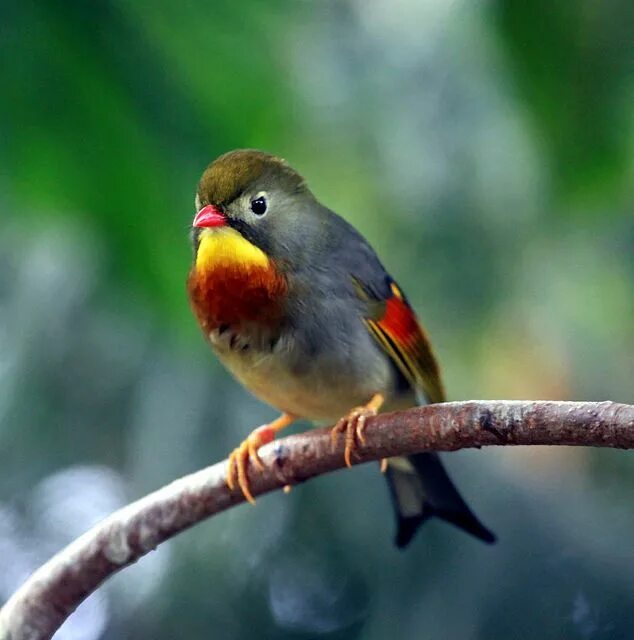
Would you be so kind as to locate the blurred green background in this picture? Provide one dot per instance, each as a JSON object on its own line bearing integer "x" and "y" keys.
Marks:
{"x": 486, "y": 149}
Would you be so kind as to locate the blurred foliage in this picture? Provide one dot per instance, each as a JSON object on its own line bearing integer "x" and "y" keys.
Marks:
{"x": 487, "y": 152}
{"x": 571, "y": 61}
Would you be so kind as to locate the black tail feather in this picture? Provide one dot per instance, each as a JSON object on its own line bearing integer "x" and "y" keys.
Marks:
{"x": 406, "y": 529}
{"x": 421, "y": 489}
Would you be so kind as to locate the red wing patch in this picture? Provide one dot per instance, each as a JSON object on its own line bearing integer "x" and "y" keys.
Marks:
{"x": 400, "y": 334}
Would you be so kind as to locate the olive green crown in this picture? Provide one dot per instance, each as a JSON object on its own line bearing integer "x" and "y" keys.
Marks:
{"x": 227, "y": 177}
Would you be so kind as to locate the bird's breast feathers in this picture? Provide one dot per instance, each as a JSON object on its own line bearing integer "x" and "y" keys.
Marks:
{"x": 233, "y": 282}
{"x": 240, "y": 299}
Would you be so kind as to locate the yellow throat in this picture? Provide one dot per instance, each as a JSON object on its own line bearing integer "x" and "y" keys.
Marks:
{"x": 223, "y": 247}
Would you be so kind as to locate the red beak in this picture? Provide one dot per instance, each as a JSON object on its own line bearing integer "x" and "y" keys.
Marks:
{"x": 209, "y": 216}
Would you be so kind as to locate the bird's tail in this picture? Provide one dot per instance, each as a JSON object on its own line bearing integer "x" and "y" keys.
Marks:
{"x": 421, "y": 489}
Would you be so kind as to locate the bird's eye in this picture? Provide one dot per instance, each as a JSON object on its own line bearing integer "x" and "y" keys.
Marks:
{"x": 258, "y": 205}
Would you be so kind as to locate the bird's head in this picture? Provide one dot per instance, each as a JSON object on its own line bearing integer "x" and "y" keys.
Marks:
{"x": 251, "y": 208}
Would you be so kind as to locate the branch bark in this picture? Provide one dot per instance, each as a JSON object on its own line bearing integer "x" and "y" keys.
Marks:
{"x": 55, "y": 590}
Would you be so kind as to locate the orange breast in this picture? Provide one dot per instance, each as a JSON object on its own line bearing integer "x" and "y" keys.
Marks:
{"x": 235, "y": 295}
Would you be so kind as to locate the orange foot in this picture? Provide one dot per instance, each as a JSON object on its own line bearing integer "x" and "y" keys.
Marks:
{"x": 239, "y": 458}
{"x": 353, "y": 425}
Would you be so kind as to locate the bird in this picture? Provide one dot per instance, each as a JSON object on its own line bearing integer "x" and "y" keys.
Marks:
{"x": 296, "y": 304}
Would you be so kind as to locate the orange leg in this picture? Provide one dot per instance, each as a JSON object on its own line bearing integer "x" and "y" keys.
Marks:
{"x": 353, "y": 426}
{"x": 248, "y": 450}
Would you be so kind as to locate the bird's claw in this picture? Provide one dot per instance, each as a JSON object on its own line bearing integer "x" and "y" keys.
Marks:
{"x": 353, "y": 426}
{"x": 239, "y": 460}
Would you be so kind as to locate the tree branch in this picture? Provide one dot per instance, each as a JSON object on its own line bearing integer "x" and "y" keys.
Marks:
{"x": 55, "y": 590}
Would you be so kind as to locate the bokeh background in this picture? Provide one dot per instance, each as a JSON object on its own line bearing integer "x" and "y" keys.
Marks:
{"x": 486, "y": 149}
